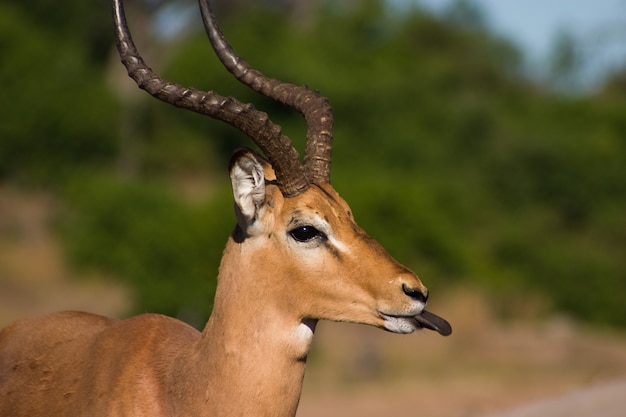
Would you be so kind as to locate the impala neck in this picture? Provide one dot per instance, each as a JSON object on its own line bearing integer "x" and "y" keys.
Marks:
{"x": 253, "y": 354}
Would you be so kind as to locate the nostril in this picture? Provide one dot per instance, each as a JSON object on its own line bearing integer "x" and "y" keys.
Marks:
{"x": 416, "y": 293}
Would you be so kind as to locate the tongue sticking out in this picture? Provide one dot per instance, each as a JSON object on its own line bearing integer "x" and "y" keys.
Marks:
{"x": 431, "y": 321}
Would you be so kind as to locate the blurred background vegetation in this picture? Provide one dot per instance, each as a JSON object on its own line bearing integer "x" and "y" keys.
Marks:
{"x": 463, "y": 168}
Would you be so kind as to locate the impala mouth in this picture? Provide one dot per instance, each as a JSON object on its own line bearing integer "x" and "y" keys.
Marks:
{"x": 425, "y": 320}
{"x": 432, "y": 321}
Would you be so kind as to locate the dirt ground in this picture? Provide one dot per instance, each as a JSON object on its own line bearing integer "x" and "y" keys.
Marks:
{"x": 486, "y": 366}
{"x": 34, "y": 279}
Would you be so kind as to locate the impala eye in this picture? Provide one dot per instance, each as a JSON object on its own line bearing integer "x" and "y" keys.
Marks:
{"x": 305, "y": 233}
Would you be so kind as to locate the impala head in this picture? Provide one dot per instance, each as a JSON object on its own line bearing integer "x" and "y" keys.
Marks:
{"x": 293, "y": 229}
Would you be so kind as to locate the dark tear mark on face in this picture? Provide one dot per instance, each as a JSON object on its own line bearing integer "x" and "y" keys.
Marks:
{"x": 333, "y": 251}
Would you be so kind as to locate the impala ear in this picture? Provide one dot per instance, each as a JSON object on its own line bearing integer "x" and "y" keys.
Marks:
{"x": 248, "y": 181}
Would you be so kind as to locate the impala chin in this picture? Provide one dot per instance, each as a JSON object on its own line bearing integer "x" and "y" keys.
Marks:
{"x": 399, "y": 324}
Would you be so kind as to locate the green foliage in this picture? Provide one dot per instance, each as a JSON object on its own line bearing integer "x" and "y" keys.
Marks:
{"x": 461, "y": 168}
{"x": 56, "y": 110}
{"x": 166, "y": 249}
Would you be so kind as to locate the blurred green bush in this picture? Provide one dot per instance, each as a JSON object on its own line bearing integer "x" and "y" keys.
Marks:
{"x": 462, "y": 168}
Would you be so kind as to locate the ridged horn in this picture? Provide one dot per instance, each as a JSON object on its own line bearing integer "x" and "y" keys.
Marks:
{"x": 315, "y": 108}
{"x": 291, "y": 175}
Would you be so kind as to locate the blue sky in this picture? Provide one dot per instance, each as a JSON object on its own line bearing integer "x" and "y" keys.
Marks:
{"x": 598, "y": 25}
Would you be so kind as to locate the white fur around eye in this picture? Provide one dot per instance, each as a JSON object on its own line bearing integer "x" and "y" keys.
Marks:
{"x": 340, "y": 246}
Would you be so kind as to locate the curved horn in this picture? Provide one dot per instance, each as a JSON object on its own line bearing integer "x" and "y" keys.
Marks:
{"x": 278, "y": 149}
{"x": 311, "y": 104}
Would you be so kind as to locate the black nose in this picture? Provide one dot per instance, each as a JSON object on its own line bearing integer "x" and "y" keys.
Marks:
{"x": 415, "y": 293}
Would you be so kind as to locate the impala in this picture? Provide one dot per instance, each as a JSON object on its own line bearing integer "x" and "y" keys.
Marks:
{"x": 296, "y": 256}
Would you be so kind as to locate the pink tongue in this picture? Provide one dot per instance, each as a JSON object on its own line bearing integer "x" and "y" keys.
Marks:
{"x": 432, "y": 321}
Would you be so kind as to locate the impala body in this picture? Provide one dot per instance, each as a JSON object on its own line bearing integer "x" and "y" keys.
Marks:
{"x": 296, "y": 256}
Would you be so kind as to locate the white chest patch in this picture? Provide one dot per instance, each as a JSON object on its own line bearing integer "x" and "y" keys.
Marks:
{"x": 303, "y": 333}
{"x": 301, "y": 339}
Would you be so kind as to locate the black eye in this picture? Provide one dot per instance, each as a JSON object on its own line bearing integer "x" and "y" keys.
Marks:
{"x": 305, "y": 233}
